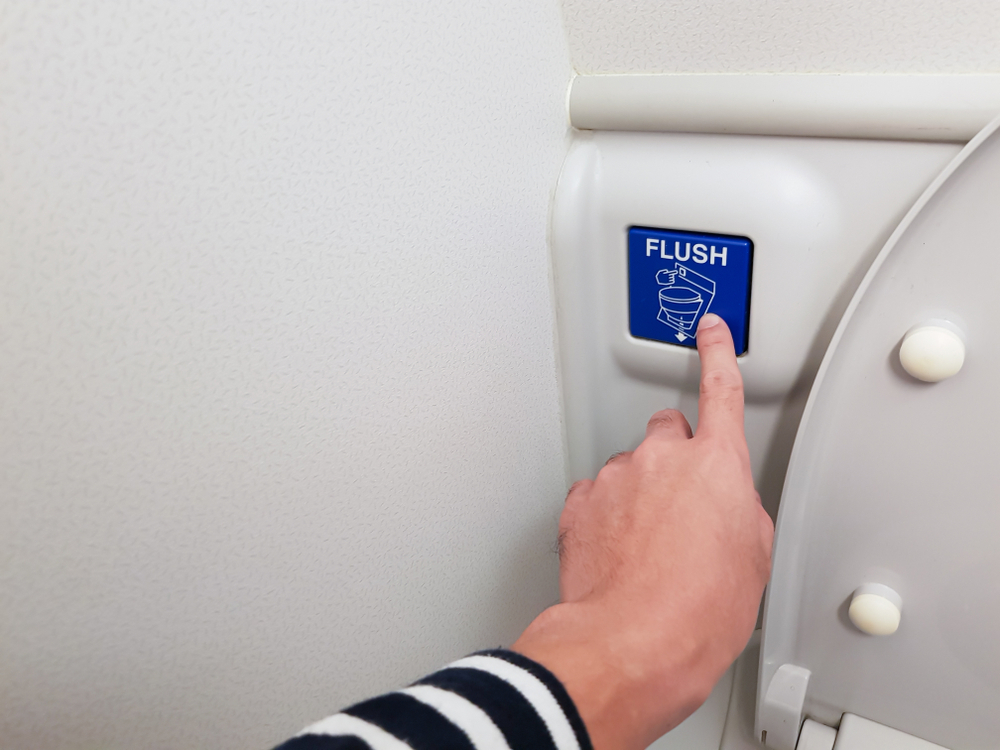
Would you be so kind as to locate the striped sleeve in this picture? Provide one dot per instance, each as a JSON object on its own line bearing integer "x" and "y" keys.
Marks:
{"x": 492, "y": 700}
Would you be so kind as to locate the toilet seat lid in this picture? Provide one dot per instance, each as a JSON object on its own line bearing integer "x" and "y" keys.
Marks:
{"x": 897, "y": 482}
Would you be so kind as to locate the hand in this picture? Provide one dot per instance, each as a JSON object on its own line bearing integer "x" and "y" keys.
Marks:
{"x": 664, "y": 558}
{"x": 665, "y": 277}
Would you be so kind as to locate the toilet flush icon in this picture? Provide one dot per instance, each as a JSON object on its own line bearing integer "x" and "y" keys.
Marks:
{"x": 685, "y": 296}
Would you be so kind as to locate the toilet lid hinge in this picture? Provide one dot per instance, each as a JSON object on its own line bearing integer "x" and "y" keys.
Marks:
{"x": 780, "y": 713}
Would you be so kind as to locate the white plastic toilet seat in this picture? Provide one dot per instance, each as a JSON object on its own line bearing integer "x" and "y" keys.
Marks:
{"x": 896, "y": 482}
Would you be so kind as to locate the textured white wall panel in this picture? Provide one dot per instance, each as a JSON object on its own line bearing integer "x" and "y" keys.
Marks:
{"x": 783, "y": 36}
{"x": 280, "y": 422}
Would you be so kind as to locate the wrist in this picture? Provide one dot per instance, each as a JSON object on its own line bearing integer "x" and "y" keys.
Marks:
{"x": 627, "y": 694}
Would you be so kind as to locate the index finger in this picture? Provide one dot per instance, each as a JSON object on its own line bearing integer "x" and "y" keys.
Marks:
{"x": 720, "y": 404}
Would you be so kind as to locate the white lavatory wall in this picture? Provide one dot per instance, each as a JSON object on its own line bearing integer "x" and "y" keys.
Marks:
{"x": 279, "y": 418}
{"x": 783, "y": 36}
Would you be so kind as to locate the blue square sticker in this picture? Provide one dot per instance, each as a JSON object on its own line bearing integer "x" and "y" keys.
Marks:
{"x": 675, "y": 277}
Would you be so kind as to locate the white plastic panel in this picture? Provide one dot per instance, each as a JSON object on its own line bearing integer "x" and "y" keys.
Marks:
{"x": 894, "y": 481}
{"x": 857, "y": 733}
{"x": 816, "y": 736}
{"x": 739, "y": 731}
{"x": 703, "y": 729}
{"x": 817, "y": 211}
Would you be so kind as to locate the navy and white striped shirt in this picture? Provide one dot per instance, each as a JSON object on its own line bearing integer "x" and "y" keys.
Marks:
{"x": 492, "y": 700}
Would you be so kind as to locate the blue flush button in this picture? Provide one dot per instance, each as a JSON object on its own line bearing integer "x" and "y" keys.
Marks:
{"x": 676, "y": 277}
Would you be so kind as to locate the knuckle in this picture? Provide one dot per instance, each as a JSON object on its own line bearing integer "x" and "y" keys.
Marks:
{"x": 608, "y": 471}
{"x": 614, "y": 466}
{"x": 617, "y": 457}
{"x": 713, "y": 336}
{"x": 659, "y": 423}
{"x": 567, "y": 519}
{"x": 650, "y": 453}
{"x": 562, "y": 542}
{"x": 578, "y": 488}
{"x": 666, "y": 418}
{"x": 722, "y": 382}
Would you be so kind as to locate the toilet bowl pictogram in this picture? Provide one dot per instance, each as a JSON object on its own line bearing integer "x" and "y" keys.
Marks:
{"x": 685, "y": 295}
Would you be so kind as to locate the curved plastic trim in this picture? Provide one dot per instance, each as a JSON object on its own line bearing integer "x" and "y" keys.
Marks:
{"x": 778, "y": 633}
{"x": 893, "y": 107}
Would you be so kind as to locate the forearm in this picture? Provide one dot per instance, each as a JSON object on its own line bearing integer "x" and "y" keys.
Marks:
{"x": 493, "y": 700}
